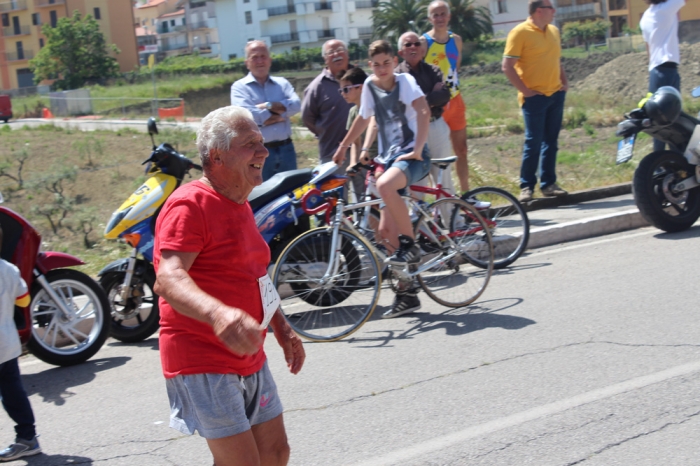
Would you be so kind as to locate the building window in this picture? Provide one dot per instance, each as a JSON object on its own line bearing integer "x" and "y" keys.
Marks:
{"x": 231, "y": 56}
{"x": 246, "y": 1}
{"x": 20, "y": 50}
{"x": 41, "y": 43}
{"x": 54, "y": 18}
{"x": 502, "y": 7}
{"x": 97, "y": 14}
{"x": 36, "y": 19}
{"x": 248, "y": 17}
{"x": 6, "y": 20}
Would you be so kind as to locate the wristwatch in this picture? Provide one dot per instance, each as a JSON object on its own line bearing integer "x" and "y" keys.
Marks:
{"x": 268, "y": 105}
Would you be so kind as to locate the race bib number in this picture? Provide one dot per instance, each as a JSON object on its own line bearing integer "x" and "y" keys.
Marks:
{"x": 270, "y": 298}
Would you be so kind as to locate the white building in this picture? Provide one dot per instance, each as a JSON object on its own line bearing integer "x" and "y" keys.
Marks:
{"x": 505, "y": 14}
{"x": 286, "y": 25}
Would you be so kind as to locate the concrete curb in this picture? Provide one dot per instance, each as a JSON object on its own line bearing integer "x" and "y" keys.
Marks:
{"x": 587, "y": 228}
{"x": 578, "y": 197}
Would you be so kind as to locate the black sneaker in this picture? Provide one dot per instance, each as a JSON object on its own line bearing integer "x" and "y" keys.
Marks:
{"x": 407, "y": 253}
{"x": 404, "y": 303}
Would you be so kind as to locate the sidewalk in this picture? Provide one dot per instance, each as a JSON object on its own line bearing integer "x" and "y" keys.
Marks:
{"x": 583, "y": 214}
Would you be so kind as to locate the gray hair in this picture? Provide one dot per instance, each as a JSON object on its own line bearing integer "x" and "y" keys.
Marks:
{"x": 255, "y": 43}
{"x": 438, "y": 3}
{"x": 218, "y": 128}
{"x": 403, "y": 36}
{"x": 325, "y": 44}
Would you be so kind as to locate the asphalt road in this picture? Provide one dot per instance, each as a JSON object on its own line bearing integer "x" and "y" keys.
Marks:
{"x": 586, "y": 353}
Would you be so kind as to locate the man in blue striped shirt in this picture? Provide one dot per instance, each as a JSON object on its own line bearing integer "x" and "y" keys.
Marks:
{"x": 272, "y": 101}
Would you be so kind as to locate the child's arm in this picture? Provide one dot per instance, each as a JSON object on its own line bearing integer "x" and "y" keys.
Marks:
{"x": 370, "y": 136}
{"x": 422, "y": 125}
{"x": 358, "y": 126}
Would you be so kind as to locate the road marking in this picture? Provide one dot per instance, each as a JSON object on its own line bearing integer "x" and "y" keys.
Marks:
{"x": 446, "y": 441}
{"x": 554, "y": 249}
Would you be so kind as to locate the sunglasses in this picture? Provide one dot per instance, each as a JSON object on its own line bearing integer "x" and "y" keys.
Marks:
{"x": 412, "y": 44}
{"x": 346, "y": 89}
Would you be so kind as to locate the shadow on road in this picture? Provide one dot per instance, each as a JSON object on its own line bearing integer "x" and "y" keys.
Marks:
{"x": 691, "y": 232}
{"x": 149, "y": 343}
{"x": 56, "y": 460}
{"x": 454, "y": 322}
{"x": 53, "y": 384}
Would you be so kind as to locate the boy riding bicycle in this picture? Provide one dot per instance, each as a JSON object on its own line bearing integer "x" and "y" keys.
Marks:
{"x": 403, "y": 118}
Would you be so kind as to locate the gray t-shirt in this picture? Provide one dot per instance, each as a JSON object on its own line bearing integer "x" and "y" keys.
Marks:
{"x": 395, "y": 115}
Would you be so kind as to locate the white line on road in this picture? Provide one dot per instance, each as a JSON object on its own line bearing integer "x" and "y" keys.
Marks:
{"x": 446, "y": 441}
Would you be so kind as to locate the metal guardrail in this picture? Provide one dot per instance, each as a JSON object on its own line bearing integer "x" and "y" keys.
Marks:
{"x": 165, "y": 47}
{"x": 15, "y": 56}
{"x": 13, "y": 31}
{"x": 323, "y": 6}
{"x": 324, "y": 33}
{"x": 199, "y": 25}
{"x": 172, "y": 29}
{"x": 45, "y": 3}
{"x": 289, "y": 37}
{"x": 365, "y": 31}
{"x": 586, "y": 10}
{"x": 13, "y": 5}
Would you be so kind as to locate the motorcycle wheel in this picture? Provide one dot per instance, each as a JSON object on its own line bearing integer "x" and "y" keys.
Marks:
{"x": 139, "y": 318}
{"x": 654, "y": 178}
{"x": 65, "y": 341}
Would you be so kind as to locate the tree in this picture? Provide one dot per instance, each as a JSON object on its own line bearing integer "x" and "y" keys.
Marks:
{"x": 391, "y": 19}
{"x": 468, "y": 20}
{"x": 586, "y": 32}
{"x": 75, "y": 52}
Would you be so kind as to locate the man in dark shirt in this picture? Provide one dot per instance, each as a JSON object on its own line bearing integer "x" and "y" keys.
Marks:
{"x": 429, "y": 77}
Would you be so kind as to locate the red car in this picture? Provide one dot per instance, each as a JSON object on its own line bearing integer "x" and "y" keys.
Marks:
{"x": 5, "y": 108}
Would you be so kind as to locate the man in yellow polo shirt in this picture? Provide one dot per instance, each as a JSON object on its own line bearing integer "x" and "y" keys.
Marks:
{"x": 531, "y": 61}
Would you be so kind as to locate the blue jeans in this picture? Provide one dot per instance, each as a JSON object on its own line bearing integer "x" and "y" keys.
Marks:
{"x": 543, "y": 116}
{"x": 663, "y": 76}
{"x": 281, "y": 159}
{"x": 15, "y": 401}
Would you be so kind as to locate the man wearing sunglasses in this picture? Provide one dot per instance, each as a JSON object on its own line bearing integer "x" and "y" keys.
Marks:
{"x": 272, "y": 101}
{"x": 532, "y": 63}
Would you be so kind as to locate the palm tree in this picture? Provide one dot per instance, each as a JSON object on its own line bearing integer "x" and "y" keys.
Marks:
{"x": 393, "y": 18}
{"x": 468, "y": 20}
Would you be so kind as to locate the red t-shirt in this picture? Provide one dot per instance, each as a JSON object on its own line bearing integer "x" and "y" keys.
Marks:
{"x": 232, "y": 256}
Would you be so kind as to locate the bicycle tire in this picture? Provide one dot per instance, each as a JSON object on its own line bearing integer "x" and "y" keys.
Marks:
{"x": 509, "y": 224}
{"x": 441, "y": 281}
{"x": 334, "y": 310}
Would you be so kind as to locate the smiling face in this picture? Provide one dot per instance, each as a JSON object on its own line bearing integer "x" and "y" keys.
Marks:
{"x": 409, "y": 51}
{"x": 240, "y": 167}
{"x": 336, "y": 57}
{"x": 258, "y": 60}
{"x": 439, "y": 15}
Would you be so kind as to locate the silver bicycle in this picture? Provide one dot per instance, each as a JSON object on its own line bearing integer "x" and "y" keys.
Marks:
{"x": 330, "y": 279}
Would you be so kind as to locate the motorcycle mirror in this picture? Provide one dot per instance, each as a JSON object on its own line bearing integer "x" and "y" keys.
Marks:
{"x": 695, "y": 92}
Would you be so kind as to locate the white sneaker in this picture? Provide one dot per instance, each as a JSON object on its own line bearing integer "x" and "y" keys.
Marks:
{"x": 479, "y": 205}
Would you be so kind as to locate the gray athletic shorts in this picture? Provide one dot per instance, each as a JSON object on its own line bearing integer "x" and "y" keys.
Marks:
{"x": 222, "y": 405}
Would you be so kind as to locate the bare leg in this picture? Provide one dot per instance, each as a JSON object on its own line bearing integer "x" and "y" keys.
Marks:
{"x": 459, "y": 144}
{"x": 264, "y": 445}
{"x": 271, "y": 439}
{"x": 388, "y": 185}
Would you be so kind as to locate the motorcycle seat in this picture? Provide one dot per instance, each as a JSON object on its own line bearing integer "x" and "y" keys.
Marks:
{"x": 278, "y": 185}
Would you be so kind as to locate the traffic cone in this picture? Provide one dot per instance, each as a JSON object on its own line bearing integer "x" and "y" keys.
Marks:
{"x": 46, "y": 113}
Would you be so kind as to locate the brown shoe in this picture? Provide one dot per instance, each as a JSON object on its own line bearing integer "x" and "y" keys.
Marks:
{"x": 553, "y": 190}
{"x": 525, "y": 195}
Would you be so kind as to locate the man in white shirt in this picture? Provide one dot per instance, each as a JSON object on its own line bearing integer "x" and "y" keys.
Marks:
{"x": 659, "y": 26}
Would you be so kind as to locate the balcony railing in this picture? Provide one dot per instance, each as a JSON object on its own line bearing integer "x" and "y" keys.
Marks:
{"x": 323, "y": 6}
{"x": 289, "y": 37}
{"x": 16, "y": 56}
{"x": 281, "y": 10}
{"x": 365, "y": 31}
{"x": 13, "y": 31}
{"x": 45, "y": 3}
{"x": 574, "y": 12}
{"x": 323, "y": 33}
{"x": 13, "y": 5}
{"x": 366, "y": 4}
{"x": 200, "y": 25}
{"x": 171, "y": 29}
{"x": 167, "y": 47}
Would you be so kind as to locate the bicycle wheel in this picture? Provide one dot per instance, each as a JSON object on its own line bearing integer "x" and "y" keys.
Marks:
{"x": 321, "y": 306}
{"x": 454, "y": 280}
{"x": 508, "y": 222}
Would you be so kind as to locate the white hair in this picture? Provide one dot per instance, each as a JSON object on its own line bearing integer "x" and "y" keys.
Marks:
{"x": 255, "y": 43}
{"x": 438, "y": 3}
{"x": 325, "y": 44}
{"x": 218, "y": 128}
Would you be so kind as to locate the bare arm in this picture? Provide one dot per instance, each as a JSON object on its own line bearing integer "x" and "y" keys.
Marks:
{"x": 564, "y": 79}
{"x": 293, "y": 349}
{"x": 420, "y": 105}
{"x": 370, "y": 136}
{"x": 358, "y": 126}
{"x": 236, "y": 329}
{"x": 508, "y": 67}
{"x": 458, "y": 44}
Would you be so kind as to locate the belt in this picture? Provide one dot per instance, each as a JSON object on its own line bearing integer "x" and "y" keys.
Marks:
{"x": 272, "y": 144}
{"x": 668, "y": 64}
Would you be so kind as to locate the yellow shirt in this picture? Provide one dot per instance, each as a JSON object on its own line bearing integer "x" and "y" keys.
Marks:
{"x": 538, "y": 52}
